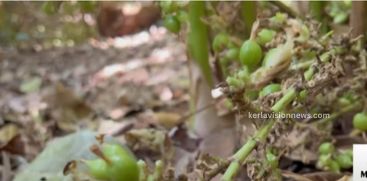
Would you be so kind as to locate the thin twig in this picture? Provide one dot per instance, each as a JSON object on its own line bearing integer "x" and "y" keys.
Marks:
{"x": 337, "y": 114}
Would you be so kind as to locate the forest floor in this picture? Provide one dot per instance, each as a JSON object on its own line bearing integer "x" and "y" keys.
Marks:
{"x": 107, "y": 85}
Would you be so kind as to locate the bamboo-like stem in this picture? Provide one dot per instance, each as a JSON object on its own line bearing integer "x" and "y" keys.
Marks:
{"x": 198, "y": 39}
{"x": 248, "y": 13}
{"x": 357, "y": 18}
{"x": 285, "y": 100}
{"x": 240, "y": 156}
{"x": 317, "y": 9}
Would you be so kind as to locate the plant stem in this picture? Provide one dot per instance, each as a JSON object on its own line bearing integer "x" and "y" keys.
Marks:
{"x": 198, "y": 39}
{"x": 248, "y": 13}
{"x": 309, "y": 73}
{"x": 318, "y": 12}
{"x": 317, "y": 9}
{"x": 158, "y": 171}
{"x": 340, "y": 112}
{"x": 240, "y": 156}
{"x": 357, "y": 18}
{"x": 143, "y": 170}
{"x": 285, "y": 100}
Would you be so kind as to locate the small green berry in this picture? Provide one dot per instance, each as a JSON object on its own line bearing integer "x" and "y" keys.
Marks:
{"x": 220, "y": 42}
{"x": 172, "y": 23}
{"x": 334, "y": 166}
{"x": 344, "y": 160}
{"x": 324, "y": 160}
{"x": 123, "y": 166}
{"x": 250, "y": 54}
{"x": 349, "y": 152}
{"x": 115, "y": 164}
{"x": 360, "y": 121}
{"x": 232, "y": 54}
{"x": 278, "y": 19}
{"x": 326, "y": 148}
{"x": 265, "y": 36}
{"x": 98, "y": 169}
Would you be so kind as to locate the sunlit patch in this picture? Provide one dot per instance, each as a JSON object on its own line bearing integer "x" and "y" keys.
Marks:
{"x": 154, "y": 34}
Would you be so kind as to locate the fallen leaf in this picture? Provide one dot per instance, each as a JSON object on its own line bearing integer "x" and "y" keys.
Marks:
{"x": 50, "y": 163}
{"x": 31, "y": 85}
{"x": 167, "y": 119}
{"x": 7, "y": 133}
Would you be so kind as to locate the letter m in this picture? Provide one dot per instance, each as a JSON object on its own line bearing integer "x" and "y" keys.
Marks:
{"x": 364, "y": 174}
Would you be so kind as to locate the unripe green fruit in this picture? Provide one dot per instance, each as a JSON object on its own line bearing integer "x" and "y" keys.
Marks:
{"x": 220, "y": 42}
{"x": 232, "y": 54}
{"x": 265, "y": 36}
{"x": 344, "y": 160}
{"x": 98, "y": 169}
{"x": 360, "y": 121}
{"x": 172, "y": 23}
{"x": 123, "y": 166}
{"x": 334, "y": 166}
{"x": 324, "y": 160}
{"x": 115, "y": 164}
{"x": 250, "y": 54}
{"x": 278, "y": 19}
{"x": 326, "y": 148}
{"x": 349, "y": 152}
{"x": 271, "y": 88}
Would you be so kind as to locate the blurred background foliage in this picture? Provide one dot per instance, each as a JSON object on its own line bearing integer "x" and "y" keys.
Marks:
{"x": 41, "y": 25}
{"x": 46, "y": 24}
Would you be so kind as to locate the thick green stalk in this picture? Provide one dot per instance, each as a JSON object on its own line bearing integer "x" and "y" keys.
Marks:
{"x": 285, "y": 100}
{"x": 248, "y": 13}
{"x": 317, "y": 9}
{"x": 198, "y": 39}
{"x": 240, "y": 156}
